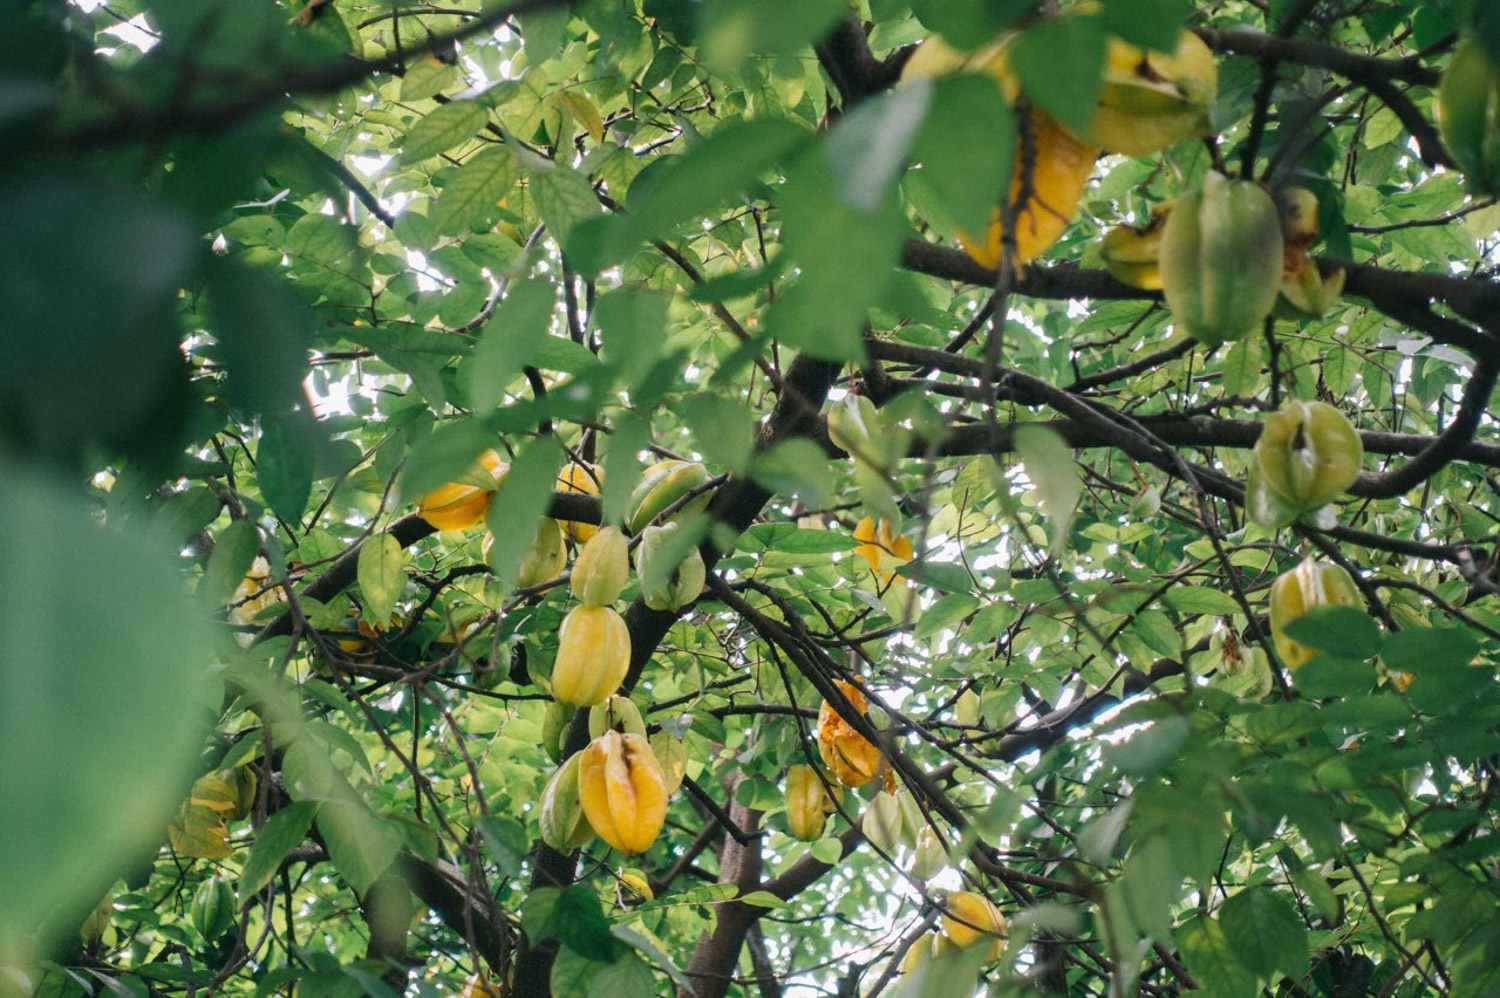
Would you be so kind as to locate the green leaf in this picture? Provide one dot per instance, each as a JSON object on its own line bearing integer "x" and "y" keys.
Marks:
{"x": 284, "y": 464}
{"x": 443, "y": 128}
{"x": 537, "y": 913}
{"x": 522, "y": 498}
{"x": 632, "y": 331}
{"x": 506, "y": 840}
{"x": 565, "y": 200}
{"x": 1150, "y": 750}
{"x": 1268, "y": 934}
{"x": 827, "y": 850}
{"x": 763, "y": 899}
{"x": 381, "y": 571}
{"x": 967, "y": 179}
{"x": 281, "y": 832}
{"x": 470, "y": 197}
{"x": 1150, "y": 24}
{"x": 426, "y": 76}
{"x": 643, "y": 945}
{"x": 627, "y": 977}
{"x": 1337, "y": 630}
{"x": 689, "y": 186}
{"x": 723, "y": 429}
{"x": 796, "y": 467}
{"x": 732, "y": 30}
{"x": 1048, "y": 462}
{"x": 1150, "y": 886}
{"x": 361, "y": 845}
{"x": 1210, "y": 957}
{"x": 512, "y": 338}
{"x": 445, "y": 455}
{"x": 1429, "y": 649}
{"x": 1201, "y": 600}
{"x": 970, "y": 23}
{"x": 1156, "y": 630}
{"x": 233, "y": 554}
{"x": 1059, "y": 62}
{"x": 870, "y": 147}
{"x": 572, "y": 974}
{"x": 578, "y": 921}
{"x": 104, "y": 690}
{"x": 622, "y": 465}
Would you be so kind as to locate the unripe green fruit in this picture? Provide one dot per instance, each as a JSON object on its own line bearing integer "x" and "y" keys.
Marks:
{"x": 1468, "y": 103}
{"x": 555, "y": 728}
{"x": 1221, "y": 256}
{"x": 1312, "y": 583}
{"x": 213, "y": 907}
{"x": 966, "y": 708}
{"x": 663, "y": 586}
{"x": 661, "y": 486}
{"x": 1306, "y": 457}
{"x": 854, "y": 426}
{"x": 616, "y": 713}
{"x": 545, "y": 559}
{"x": 563, "y": 824}
{"x": 601, "y": 568}
{"x": 881, "y": 823}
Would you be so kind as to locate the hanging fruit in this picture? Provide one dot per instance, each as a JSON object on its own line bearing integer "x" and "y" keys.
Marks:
{"x": 593, "y": 655}
{"x": 1312, "y": 583}
{"x": 931, "y": 856}
{"x": 970, "y": 919}
{"x": 881, "y": 547}
{"x": 663, "y": 587}
{"x": 809, "y": 802}
{"x": 1148, "y": 100}
{"x": 882, "y": 822}
{"x": 584, "y": 479}
{"x": 1304, "y": 288}
{"x": 1468, "y": 104}
{"x": 564, "y": 825}
{"x": 1051, "y": 166}
{"x": 852, "y": 759}
{"x": 1221, "y": 259}
{"x": 616, "y": 713}
{"x": 662, "y": 485}
{"x": 854, "y": 426}
{"x": 460, "y": 505}
{"x": 601, "y": 568}
{"x": 1133, "y": 253}
{"x": 1307, "y": 455}
{"x": 623, "y": 791}
{"x": 544, "y": 559}
{"x": 555, "y": 721}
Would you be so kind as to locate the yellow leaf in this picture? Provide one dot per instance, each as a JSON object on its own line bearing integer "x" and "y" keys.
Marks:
{"x": 583, "y": 111}
{"x": 214, "y": 792}
{"x": 199, "y": 833}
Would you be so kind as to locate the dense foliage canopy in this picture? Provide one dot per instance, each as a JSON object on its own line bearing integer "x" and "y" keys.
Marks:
{"x": 273, "y": 271}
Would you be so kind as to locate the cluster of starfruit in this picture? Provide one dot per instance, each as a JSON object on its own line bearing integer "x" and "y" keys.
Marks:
{"x": 1148, "y": 101}
{"x": 1225, "y": 256}
{"x": 618, "y": 786}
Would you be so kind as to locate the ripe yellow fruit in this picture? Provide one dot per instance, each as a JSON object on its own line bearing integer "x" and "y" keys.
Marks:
{"x": 1312, "y": 583}
{"x": 1149, "y": 100}
{"x": 584, "y": 479}
{"x": 850, "y": 757}
{"x": 593, "y": 655}
{"x": 461, "y": 505}
{"x": 1057, "y": 163}
{"x": 623, "y": 791}
{"x": 1304, "y": 289}
{"x": 970, "y": 919}
{"x": 255, "y": 580}
{"x": 635, "y": 888}
{"x": 808, "y": 802}
{"x": 1133, "y": 253}
{"x": 601, "y": 568}
{"x": 881, "y": 547}
{"x": 480, "y": 987}
{"x": 362, "y": 647}
{"x": 1059, "y": 171}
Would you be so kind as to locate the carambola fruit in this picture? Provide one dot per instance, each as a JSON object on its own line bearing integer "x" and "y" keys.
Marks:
{"x": 1307, "y": 455}
{"x": 593, "y": 654}
{"x": 623, "y": 791}
{"x": 1312, "y": 583}
{"x": 460, "y": 505}
{"x": 1221, "y": 259}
